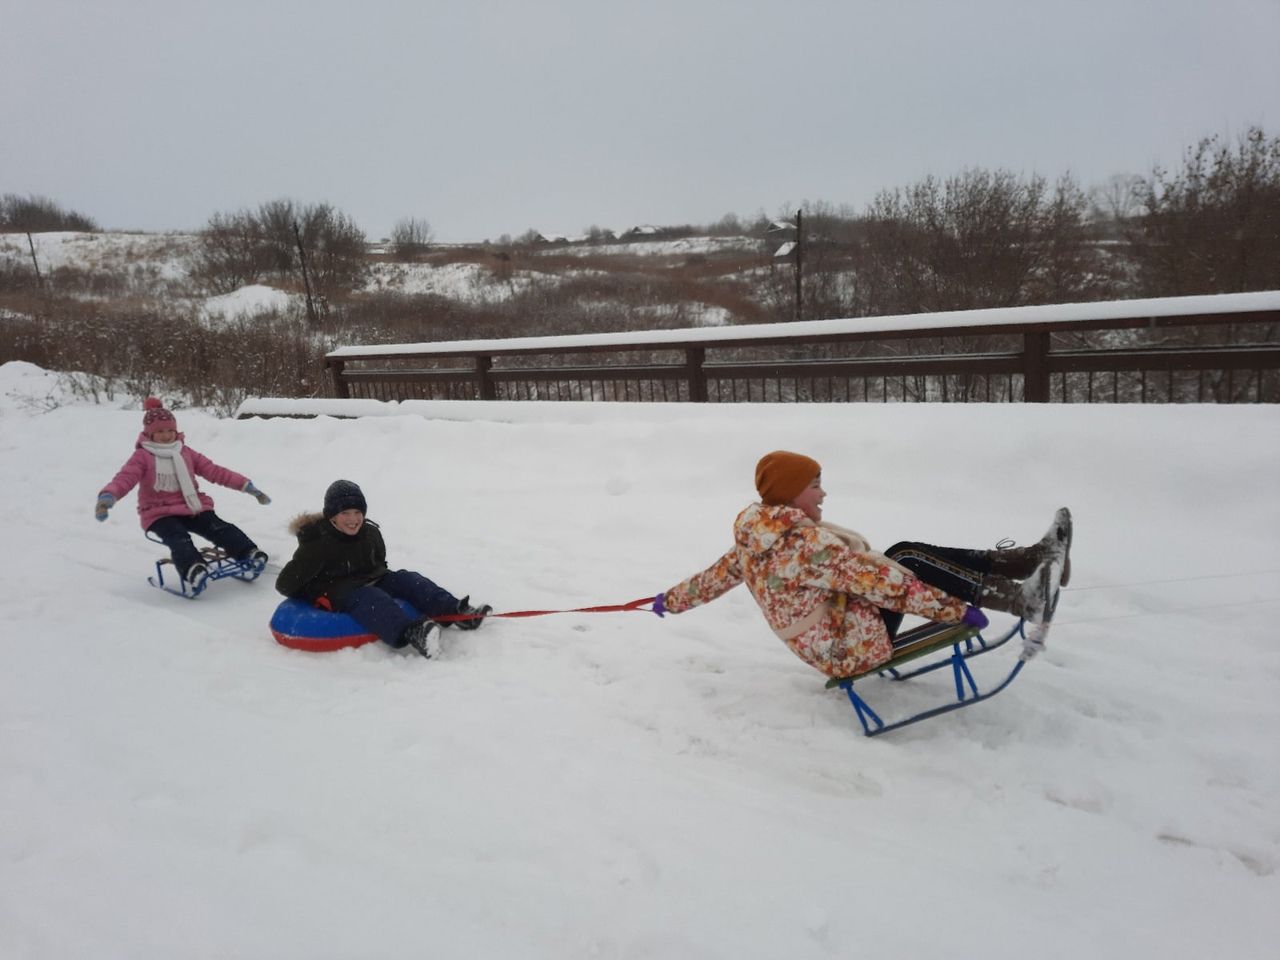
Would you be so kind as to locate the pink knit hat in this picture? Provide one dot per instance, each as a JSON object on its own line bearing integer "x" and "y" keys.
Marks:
{"x": 156, "y": 417}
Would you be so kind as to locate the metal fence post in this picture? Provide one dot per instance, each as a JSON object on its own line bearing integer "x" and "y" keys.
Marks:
{"x": 697, "y": 376}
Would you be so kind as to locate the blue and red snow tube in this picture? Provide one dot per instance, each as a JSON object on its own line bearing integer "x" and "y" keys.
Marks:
{"x": 302, "y": 626}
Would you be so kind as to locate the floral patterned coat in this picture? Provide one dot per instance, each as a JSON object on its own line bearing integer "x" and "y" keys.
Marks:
{"x": 820, "y": 588}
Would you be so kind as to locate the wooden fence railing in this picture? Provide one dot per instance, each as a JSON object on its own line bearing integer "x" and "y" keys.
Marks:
{"x": 1223, "y": 349}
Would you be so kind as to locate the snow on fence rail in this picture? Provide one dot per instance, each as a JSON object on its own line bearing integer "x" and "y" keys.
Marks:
{"x": 1222, "y": 349}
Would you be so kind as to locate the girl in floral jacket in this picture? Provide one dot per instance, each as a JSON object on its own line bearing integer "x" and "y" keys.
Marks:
{"x": 836, "y": 602}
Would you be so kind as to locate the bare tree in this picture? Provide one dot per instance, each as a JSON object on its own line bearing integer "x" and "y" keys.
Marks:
{"x": 229, "y": 253}
{"x": 241, "y": 248}
{"x": 1118, "y": 200}
{"x": 980, "y": 239}
{"x": 335, "y": 247}
{"x": 1213, "y": 226}
{"x": 411, "y": 237}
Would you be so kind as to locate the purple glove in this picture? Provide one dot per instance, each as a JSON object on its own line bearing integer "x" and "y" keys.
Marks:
{"x": 660, "y": 604}
{"x": 973, "y": 617}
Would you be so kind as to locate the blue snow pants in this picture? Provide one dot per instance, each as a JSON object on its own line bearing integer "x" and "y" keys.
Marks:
{"x": 374, "y": 606}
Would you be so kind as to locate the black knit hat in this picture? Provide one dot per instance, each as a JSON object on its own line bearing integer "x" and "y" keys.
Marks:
{"x": 343, "y": 495}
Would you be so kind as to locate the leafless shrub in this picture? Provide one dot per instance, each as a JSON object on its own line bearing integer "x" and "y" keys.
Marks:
{"x": 410, "y": 238}
{"x": 35, "y": 214}
{"x": 242, "y": 248}
{"x": 144, "y": 350}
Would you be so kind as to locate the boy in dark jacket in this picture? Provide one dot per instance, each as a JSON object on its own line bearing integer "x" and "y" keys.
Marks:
{"x": 341, "y": 563}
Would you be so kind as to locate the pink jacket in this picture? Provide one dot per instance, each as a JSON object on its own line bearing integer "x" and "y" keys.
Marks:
{"x": 821, "y": 596}
{"x": 140, "y": 471}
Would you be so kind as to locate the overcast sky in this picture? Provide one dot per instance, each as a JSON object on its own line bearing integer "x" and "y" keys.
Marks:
{"x": 488, "y": 117}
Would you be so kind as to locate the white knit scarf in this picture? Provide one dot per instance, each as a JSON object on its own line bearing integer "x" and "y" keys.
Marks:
{"x": 172, "y": 473}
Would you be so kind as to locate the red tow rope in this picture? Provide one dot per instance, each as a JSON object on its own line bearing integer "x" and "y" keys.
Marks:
{"x": 607, "y": 608}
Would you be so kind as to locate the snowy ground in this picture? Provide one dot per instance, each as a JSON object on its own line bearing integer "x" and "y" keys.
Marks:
{"x": 114, "y": 252}
{"x": 175, "y": 784}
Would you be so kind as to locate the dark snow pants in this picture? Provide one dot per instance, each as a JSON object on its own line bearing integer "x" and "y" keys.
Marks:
{"x": 374, "y": 606}
{"x": 954, "y": 570}
{"x": 175, "y": 533}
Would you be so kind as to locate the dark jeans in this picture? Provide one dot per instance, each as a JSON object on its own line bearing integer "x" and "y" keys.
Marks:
{"x": 957, "y": 571}
{"x": 175, "y": 533}
{"x": 374, "y": 606}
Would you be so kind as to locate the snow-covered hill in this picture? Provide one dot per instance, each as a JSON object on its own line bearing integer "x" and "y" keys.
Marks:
{"x": 175, "y": 784}
{"x": 160, "y": 264}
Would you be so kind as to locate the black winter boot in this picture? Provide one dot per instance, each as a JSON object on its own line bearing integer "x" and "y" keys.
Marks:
{"x": 480, "y": 612}
{"x": 423, "y": 636}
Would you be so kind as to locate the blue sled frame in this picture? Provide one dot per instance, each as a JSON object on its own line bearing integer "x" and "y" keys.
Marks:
{"x": 966, "y": 643}
{"x": 220, "y": 567}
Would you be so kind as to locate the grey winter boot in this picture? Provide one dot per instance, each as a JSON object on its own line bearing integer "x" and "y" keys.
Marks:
{"x": 1018, "y": 563}
{"x": 1026, "y": 599}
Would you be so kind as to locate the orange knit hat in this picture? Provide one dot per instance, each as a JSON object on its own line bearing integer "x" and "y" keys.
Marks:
{"x": 781, "y": 476}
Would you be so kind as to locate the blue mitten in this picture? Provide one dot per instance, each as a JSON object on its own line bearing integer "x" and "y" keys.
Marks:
{"x": 257, "y": 494}
{"x": 105, "y": 503}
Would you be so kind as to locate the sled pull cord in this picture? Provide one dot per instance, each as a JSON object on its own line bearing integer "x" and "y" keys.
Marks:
{"x": 643, "y": 604}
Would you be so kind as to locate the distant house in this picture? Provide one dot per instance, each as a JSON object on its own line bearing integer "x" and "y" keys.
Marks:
{"x": 643, "y": 232}
{"x": 779, "y": 230}
{"x": 538, "y": 236}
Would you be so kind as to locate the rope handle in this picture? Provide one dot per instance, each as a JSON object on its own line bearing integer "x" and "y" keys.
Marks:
{"x": 636, "y": 605}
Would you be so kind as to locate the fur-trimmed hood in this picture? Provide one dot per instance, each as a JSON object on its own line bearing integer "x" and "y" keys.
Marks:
{"x": 310, "y": 525}
{"x": 302, "y": 520}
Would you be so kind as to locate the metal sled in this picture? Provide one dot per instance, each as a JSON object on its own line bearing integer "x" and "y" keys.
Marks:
{"x": 220, "y": 567}
{"x": 965, "y": 643}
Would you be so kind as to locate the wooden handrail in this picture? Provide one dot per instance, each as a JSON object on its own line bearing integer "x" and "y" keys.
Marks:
{"x": 700, "y": 358}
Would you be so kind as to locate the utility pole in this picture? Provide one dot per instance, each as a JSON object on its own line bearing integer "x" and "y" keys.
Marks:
{"x": 799, "y": 258}
{"x": 306, "y": 281}
{"x": 34, "y": 262}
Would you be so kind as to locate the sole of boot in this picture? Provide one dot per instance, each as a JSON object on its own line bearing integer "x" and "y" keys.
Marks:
{"x": 1064, "y": 525}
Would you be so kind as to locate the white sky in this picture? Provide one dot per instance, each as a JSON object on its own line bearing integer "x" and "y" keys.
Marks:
{"x": 493, "y": 117}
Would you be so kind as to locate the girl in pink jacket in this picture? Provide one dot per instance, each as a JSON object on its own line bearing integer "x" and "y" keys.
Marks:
{"x": 171, "y": 506}
{"x": 836, "y": 602}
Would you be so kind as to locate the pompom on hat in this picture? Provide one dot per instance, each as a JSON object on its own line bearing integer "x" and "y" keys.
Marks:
{"x": 782, "y": 476}
{"x": 156, "y": 417}
{"x": 343, "y": 495}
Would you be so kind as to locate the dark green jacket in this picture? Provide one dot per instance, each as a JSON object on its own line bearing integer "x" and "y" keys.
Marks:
{"x": 329, "y": 563}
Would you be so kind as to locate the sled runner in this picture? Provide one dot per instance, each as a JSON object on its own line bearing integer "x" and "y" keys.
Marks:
{"x": 965, "y": 643}
{"x": 220, "y": 566}
{"x": 302, "y": 626}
